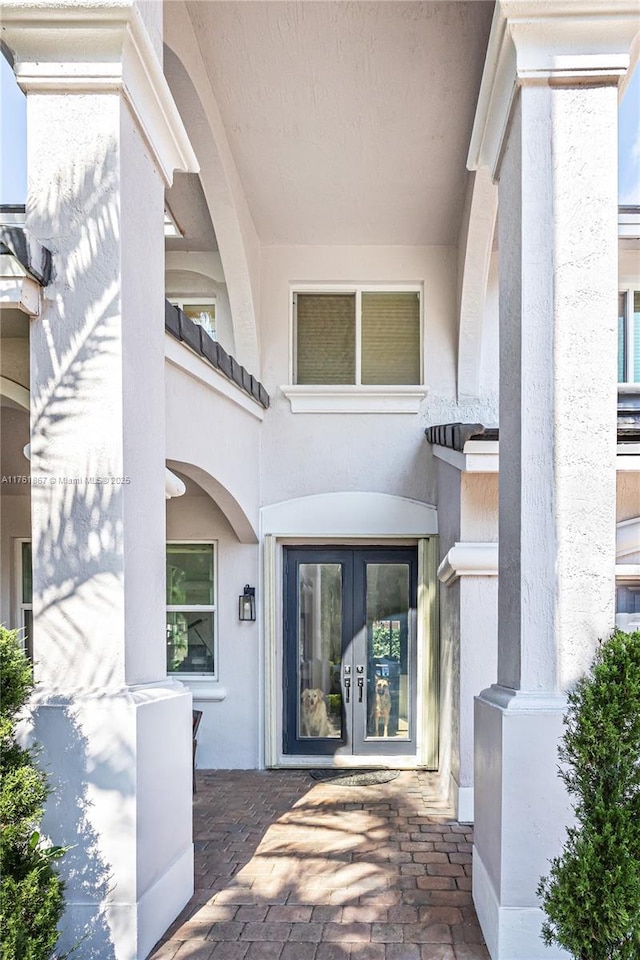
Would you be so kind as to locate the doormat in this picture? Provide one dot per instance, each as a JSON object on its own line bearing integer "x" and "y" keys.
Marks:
{"x": 354, "y": 778}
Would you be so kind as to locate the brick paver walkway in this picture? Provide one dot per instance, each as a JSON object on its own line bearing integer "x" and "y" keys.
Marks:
{"x": 290, "y": 869}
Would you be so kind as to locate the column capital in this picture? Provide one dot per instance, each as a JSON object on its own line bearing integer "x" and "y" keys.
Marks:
{"x": 564, "y": 42}
{"x": 99, "y": 47}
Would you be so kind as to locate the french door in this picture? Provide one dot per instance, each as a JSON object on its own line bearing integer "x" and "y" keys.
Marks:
{"x": 349, "y": 672}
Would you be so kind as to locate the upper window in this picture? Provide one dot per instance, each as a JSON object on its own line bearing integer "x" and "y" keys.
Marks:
{"x": 358, "y": 337}
{"x": 191, "y": 608}
{"x": 202, "y": 310}
{"x": 629, "y": 336}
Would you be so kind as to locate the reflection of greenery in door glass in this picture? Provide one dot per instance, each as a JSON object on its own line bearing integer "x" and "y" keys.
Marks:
{"x": 387, "y": 608}
{"x": 320, "y": 634}
{"x": 386, "y": 638}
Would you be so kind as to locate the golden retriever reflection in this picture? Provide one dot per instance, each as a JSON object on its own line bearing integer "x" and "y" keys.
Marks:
{"x": 313, "y": 716}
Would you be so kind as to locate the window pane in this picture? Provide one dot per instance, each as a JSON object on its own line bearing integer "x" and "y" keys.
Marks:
{"x": 27, "y": 583}
{"x": 628, "y": 605}
{"x": 326, "y": 338}
{"x": 636, "y": 336}
{"x": 190, "y": 642}
{"x": 190, "y": 574}
{"x": 203, "y": 314}
{"x": 320, "y": 649}
{"x": 388, "y": 654}
{"x": 390, "y": 338}
{"x": 622, "y": 338}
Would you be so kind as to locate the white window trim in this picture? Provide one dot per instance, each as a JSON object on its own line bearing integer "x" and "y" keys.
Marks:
{"x": 19, "y": 606}
{"x": 199, "y": 608}
{"x": 628, "y": 291}
{"x": 353, "y": 398}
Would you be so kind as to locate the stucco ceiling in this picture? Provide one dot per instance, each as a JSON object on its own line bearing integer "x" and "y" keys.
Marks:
{"x": 349, "y": 122}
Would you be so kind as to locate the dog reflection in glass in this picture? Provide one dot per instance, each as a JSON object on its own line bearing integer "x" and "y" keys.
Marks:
{"x": 313, "y": 715}
{"x": 381, "y": 709}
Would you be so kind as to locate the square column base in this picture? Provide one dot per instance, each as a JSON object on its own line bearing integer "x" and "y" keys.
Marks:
{"x": 119, "y": 765}
{"x": 521, "y": 813}
{"x": 462, "y": 798}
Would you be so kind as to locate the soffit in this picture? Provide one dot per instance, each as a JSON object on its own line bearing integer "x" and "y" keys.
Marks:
{"x": 349, "y": 122}
{"x": 186, "y": 200}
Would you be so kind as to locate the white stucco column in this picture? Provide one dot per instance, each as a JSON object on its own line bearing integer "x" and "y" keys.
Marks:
{"x": 103, "y": 140}
{"x": 547, "y": 128}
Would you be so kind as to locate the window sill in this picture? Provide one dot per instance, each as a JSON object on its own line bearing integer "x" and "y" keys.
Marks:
{"x": 321, "y": 398}
{"x": 202, "y": 687}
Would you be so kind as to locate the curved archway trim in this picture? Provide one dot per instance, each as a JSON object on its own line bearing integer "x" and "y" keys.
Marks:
{"x": 233, "y": 511}
{"x": 350, "y": 514}
{"x": 16, "y": 392}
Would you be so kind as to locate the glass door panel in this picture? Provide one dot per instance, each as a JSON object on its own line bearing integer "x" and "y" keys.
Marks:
{"x": 388, "y": 650}
{"x": 349, "y": 651}
{"x": 320, "y": 627}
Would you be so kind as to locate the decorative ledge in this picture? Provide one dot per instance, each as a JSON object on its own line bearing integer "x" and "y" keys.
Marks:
{"x": 323, "y": 398}
{"x": 481, "y": 559}
{"x": 456, "y": 435}
{"x": 469, "y": 560}
{"x": 182, "y": 328}
{"x": 203, "y": 689}
{"x": 17, "y": 242}
{"x": 474, "y": 448}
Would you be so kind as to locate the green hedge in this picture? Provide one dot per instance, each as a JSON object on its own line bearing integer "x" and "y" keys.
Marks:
{"x": 31, "y": 892}
{"x": 592, "y": 894}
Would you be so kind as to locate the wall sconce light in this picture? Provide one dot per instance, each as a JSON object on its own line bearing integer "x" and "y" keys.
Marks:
{"x": 247, "y": 604}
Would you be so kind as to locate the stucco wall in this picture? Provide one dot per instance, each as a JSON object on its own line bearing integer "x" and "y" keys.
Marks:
{"x": 479, "y": 508}
{"x": 313, "y": 453}
{"x": 228, "y": 735}
{"x": 489, "y": 356}
{"x": 213, "y": 432}
{"x": 449, "y": 500}
{"x": 14, "y": 359}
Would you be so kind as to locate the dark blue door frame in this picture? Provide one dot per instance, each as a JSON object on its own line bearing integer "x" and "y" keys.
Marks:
{"x": 358, "y": 665}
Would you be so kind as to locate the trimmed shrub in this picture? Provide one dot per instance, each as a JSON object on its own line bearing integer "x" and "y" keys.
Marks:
{"x": 31, "y": 892}
{"x": 592, "y": 894}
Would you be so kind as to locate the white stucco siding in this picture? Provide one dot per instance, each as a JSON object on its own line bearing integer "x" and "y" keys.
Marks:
{"x": 478, "y": 657}
{"x": 490, "y": 348}
{"x": 449, "y": 526}
{"x": 479, "y": 510}
{"x": 14, "y": 360}
{"x": 229, "y": 731}
{"x": 214, "y": 433}
{"x": 313, "y": 453}
{"x": 143, "y": 313}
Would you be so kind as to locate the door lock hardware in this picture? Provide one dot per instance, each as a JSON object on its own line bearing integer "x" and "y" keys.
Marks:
{"x": 360, "y": 688}
{"x": 347, "y": 687}
{"x": 360, "y": 668}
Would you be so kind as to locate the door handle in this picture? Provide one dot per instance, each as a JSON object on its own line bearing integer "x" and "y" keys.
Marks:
{"x": 347, "y": 686}
{"x": 360, "y": 688}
